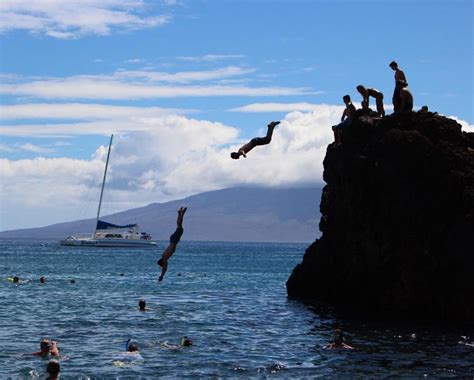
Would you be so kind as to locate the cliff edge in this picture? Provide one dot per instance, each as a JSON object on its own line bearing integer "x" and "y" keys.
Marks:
{"x": 397, "y": 221}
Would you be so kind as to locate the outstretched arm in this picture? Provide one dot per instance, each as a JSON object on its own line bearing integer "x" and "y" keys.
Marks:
{"x": 163, "y": 269}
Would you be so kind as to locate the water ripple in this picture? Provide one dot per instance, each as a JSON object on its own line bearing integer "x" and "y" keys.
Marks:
{"x": 229, "y": 298}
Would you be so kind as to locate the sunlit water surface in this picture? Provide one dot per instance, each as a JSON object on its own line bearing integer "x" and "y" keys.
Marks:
{"x": 229, "y": 298}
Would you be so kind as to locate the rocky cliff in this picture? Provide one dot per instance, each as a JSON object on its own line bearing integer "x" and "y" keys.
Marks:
{"x": 397, "y": 221}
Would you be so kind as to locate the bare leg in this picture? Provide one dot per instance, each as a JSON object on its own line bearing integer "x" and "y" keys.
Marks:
{"x": 380, "y": 109}
{"x": 179, "y": 221}
{"x": 268, "y": 138}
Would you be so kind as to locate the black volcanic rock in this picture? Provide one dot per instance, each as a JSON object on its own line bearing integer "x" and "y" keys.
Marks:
{"x": 397, "y": 221}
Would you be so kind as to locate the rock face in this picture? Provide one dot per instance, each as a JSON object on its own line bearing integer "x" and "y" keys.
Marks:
{"x": 397, "y": 221}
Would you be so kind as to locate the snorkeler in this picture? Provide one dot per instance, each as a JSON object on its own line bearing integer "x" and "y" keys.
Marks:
{"x": 131, "y": 347}
{"x": 244, "y": 149}
{"x": 47, "y": 347}
{"x": 130, "y": 357}
{"x": 185, "y": 342}
{"x": 174, "y": 240}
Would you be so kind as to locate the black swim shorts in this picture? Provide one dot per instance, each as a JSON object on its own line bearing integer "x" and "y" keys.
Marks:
{"x": 176, "y": 236}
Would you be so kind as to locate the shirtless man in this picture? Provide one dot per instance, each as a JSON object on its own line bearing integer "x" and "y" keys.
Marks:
{"x": 174, "y": 240}
{"x": 47, "y": 347}
{"x": 399, "y": 78}
{"x": 337, "y": 340}
{"x": 406, "y": 98}
{"x": 244, "y": 149}
{"x": 366, "y": 92}
{"x": 346, "y": 118}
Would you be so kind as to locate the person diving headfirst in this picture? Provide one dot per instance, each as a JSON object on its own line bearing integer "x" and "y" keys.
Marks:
{"x": 174, "y": 240}
{"x": 244, "y": 149}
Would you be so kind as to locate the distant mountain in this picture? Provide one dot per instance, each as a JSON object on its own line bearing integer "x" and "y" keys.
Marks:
{"x": 234, "y": 214}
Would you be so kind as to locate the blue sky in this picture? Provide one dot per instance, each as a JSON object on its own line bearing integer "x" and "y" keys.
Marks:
{"x": 181, "y": 83}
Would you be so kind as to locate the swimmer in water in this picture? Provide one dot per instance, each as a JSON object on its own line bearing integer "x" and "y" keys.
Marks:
{"x": 131, "y": 348}
{"x": 337, "y": 340}
{"x": 142, "y": 305}
{"x": 17, "y": 280}
{"x": 131, "y": 356}
{"x": 42, "y": 280}
{"x": 53, "y": 370}
{"x": 185, "y": 342}
{"x": 47, "y": 347}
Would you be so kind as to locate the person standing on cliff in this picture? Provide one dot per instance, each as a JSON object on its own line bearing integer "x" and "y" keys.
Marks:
{"x": 174, "y": 240}
{"x": 244, "y": 149}
{"x": 406, "y": 98}
{"x": 399, "y": 79}
{"x": 346, "y": 119}
{"x": 367, "y": 92}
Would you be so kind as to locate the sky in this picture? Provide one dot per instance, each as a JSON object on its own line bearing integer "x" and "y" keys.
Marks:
{"x": 182, "y": 83}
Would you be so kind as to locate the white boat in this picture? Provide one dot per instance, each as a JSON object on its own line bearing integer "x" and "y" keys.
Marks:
{"x": 108, "y": 234}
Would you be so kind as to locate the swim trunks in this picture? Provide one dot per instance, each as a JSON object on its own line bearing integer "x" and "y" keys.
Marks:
{"x": 176, "y": 236}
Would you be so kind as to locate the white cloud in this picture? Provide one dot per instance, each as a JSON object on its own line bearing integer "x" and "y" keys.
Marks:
{"x": 103, "y": 87}
{"x": 211, "y": 57}
{"x": 35, "y": 148}
{"x": 185, "y": 76}
{"x": 465, "y": 126}
{"x": 282, "y": 107}
{"x": 175, "y": 157}
{"x": 82, "y": 111}
{"x": 77, "y": 18}
{"x": 167, "y": 158}
{"x": 7, "y": 148}
{"x": 27, "y": 147}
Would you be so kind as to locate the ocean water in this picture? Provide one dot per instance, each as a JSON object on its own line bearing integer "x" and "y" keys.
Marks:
{"x": 229, "y": 298}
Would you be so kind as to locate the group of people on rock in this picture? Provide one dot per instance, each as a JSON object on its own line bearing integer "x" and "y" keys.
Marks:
{"x": 402, "y": 101}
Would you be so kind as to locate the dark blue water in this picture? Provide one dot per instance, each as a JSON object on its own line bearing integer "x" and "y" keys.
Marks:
{"x": 229, "y": 298}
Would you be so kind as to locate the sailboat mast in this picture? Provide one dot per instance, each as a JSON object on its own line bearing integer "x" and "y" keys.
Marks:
{"x": 103, "y": 183}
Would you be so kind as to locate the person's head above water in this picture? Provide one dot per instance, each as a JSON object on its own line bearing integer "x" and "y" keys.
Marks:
{"x": 16, "y": 279}
{"x": 132, "y": 347}
{"x": 42, "y": 279}
{"x": 45, "y": 346}
{"x": 186, "y": 342}
{"x": 142, "y": 304}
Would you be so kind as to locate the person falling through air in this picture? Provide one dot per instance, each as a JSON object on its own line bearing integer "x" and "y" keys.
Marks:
{"x": 244, "y": 149}
{"x": 174, "y": 240}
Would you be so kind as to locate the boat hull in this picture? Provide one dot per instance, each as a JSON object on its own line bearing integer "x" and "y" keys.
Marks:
{"x": 128, "y": 243}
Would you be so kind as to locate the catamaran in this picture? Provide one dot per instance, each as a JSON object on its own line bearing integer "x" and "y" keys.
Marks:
{"x": 108, "y": 234}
